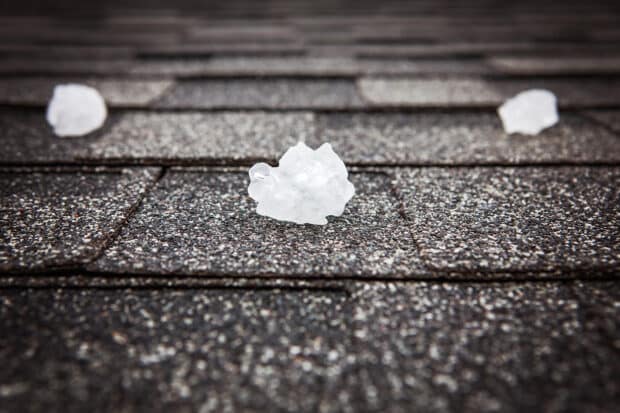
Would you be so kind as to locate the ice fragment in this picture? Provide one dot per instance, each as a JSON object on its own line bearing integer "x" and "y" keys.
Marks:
{"x": 529, "y": 112}
{"x": 307, "y": 186}
{"x": 76, "y": 110}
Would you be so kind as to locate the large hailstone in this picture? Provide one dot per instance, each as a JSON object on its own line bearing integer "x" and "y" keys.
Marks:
{"x": 529, "y": 112}
{"x": 306, "y": 187}
{"x": 76, "y": 110}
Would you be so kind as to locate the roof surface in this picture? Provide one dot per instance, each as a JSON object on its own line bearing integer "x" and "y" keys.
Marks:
{"x": 472, "y": 271}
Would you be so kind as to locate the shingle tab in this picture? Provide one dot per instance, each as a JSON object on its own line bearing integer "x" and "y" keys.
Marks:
{"x": 267, "y": 93}
{"x": 428, "y": 92}
{"x": 149, "y": 350}
{"x": 60, "y": 218}
{"x": 461, "y": 138}
{"x": 205, "y": 223}
{"x": 116, "y": 92}
{"x": 611, "y": 118}
{"x": 556, "y": 65}
{"x": 486, "y": 347}
{"x": 206, "y": 137}
{"x": 493, "y": 220}
{"x": 461, "y": 92}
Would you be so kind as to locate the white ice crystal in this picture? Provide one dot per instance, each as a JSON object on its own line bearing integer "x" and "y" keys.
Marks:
{"x": 76, "y": 110}
{"x": 529, "y": 112}
{"x": 307, "y": 186}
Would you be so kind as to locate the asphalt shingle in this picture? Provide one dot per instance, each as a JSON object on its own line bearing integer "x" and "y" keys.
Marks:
{"x": 60, "y": 218}
{"x": 461, "y": 138}
{"x": 207, "y": 137}
{"x": 460, "y": 92}
{"x": 116, "y": 92}
{"x": 267, "y": 93}
{"x": 156, "y": 351}
{"x": 205, "y": 223}
{"x": 494, "y": 220}
{"x": 611, "y": 118}
{"x": 556, "y": 65}
{"x": 506, "y": 347}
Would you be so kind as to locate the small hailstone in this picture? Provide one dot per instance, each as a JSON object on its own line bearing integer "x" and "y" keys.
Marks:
{"x": 76, "y": 110}
{"x": 307, "y": 186}
{"x": 529, "y": 112}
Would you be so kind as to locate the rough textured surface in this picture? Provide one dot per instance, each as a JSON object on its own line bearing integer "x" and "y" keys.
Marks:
{"x": 474, "y": 92}
{"x": 487, "y": 347}
{"x": 428, "y": 92}
{"x": 514, "y": 219}
{"x": 195, "y": 136}
{"x": 268, "y": 93}
{"x": 463, "y": 138}
{"x": 60, "y": 218}
{"x": 556, "y": 65}
{"x": 218, "y": 318}
{"x": 212, "y": 351}
{"x": 205, "y": 223}
{"x": 116, "y": 92}
{"x": 385, "y": 347}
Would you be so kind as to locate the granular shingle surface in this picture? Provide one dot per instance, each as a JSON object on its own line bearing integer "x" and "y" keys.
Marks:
{"x": 473, "y": 271}
{"x": 58, "y": 218}
{"x": 486, "y": 347}
{"x": 116, "y": 92}
{"x": 267, "y": 93}
{"x": 205, "y": 223}
{"x": 196, "y": 136}
{"x": 462, "y": 138}
{"x": 514, "y": 219}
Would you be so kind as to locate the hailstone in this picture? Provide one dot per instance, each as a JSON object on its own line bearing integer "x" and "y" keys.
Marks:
{"x": 76, "y": 110}
{"x": 307, "y": 186}
{"x": 529, "y": 112}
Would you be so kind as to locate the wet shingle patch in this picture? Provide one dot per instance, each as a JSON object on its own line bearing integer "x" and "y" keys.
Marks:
{"x": 487, "y": 347}
{"x": 205, "y": 223}
{"x": 61, "y": 218}
{"x": 263, "y": 94}
{"x": 461, "y": 138}
{"x": 116, "y": 92}
{"x": 204, "y": 137}
{"x": 213, "y": 350}
{"x": 490, "y": 220}
{"x": 476, "y": 92}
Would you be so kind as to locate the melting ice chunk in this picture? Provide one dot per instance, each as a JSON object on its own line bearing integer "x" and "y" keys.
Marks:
{"x": 306, "y": 187}
{"x": 529, "y": 112}
{"x": 76, "y": 110}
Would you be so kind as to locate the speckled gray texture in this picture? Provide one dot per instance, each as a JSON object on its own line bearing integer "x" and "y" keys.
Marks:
{"x": 61, "y": 218}
{"x": 266, "y": 93}
{"x": 116, "y": 92}
{"x": 157, "y": 351}
{"x": 487, "y": 347}
{"x": 556, "y": 65}
{"x": 611, "y": 118}
{"x": 477, "y": 92}
{"x": 514, "y": 219}
{"x": 428, "y": 92}
{"x": 302, "y": 66}
{"x": 48, "y": 66}
{"x": 194, "y": 136}
{"x": 383, "y": 347}
{"x": 27, "y": 138}
{"x": 463, "y": 138}
{"x": 205, "y": 223}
